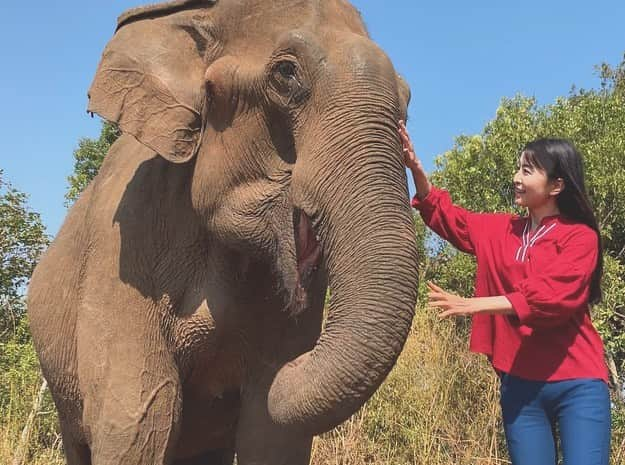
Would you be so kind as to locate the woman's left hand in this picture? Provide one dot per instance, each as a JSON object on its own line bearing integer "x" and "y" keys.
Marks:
{"x": 451, "y": 304}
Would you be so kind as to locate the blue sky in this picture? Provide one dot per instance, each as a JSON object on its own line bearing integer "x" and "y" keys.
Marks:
{"x": 460, "y": 58}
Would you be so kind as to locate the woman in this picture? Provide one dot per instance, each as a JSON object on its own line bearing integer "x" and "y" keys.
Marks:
{"x": 537, "y": 276}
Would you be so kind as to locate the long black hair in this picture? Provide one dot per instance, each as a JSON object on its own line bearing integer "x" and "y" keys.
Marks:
{"x": 559, "y": 158}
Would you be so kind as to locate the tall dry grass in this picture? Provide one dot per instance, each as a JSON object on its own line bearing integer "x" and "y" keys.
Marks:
{"x": 439, "y": 406}
{"x": 43, "y": 445}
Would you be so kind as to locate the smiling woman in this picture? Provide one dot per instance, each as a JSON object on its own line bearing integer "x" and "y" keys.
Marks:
{"x": 536, "y": 279}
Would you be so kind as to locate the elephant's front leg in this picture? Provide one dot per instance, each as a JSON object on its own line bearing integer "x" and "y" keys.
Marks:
{"x": 276, "y": 339}
{"x": 137, "y": 434}
{"x": 131, "y": 389}
{"x": 259, "y": 441}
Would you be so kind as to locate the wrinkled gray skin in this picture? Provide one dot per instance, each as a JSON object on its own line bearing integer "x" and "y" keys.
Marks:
{"x": 178, "y": 313}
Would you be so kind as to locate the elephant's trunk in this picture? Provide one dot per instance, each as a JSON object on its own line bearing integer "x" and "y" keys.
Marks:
{"x": 369, "y": 249}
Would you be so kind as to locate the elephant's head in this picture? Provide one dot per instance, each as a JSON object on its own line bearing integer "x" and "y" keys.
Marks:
{"x": 288, "y": 112}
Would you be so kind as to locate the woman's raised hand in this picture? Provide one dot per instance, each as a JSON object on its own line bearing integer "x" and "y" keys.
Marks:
{"x": 410, "y": 157}
{"x": 412, "y": 162}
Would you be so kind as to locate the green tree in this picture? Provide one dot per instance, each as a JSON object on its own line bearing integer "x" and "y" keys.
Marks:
{"x": 478, "y": 172}
{"x": 88, "y": 158}
{"x": 22, "y": 239}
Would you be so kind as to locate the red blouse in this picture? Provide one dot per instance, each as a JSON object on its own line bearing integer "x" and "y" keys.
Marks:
{"x": 546, "y": 276}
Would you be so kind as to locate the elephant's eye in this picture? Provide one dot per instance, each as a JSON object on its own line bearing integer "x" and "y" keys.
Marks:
{"x": 287, "y": 83}
{"x": 286, "y": 69}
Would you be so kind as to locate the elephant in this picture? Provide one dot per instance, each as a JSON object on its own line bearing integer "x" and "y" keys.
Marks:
{"x": 180, "y": 314}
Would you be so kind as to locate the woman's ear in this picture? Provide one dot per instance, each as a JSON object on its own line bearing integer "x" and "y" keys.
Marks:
{"x": 557, "y": 186}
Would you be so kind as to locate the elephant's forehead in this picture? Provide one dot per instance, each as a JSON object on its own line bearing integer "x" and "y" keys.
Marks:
{"x": 251, "y": 23}
{"x": 258, "y": 20}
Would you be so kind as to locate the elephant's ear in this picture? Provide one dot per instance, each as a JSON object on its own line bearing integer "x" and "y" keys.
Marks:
{"x": 150, "y": 78}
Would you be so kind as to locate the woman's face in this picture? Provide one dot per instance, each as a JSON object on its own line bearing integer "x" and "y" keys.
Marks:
{"x": 532, "y": 187}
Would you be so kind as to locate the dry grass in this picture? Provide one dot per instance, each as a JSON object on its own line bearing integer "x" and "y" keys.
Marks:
{"x": 439, "y": 406}
{"x": 44, "y": 445}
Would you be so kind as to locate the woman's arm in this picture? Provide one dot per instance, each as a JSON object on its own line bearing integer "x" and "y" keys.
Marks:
{"x": 561, "y": 289}
{"x": 449, "y": 221}
{"x": 545, "y": 299}
{"x": 454, "y": 305}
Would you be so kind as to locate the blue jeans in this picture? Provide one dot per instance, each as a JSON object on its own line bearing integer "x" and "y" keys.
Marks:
{"x": 579, "y": 409}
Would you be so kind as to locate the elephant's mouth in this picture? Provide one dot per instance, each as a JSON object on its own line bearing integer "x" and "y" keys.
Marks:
{"x": 307, "y": 248}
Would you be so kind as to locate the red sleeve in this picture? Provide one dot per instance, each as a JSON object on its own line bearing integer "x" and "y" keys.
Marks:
{"x": 447, "y": 220}
{"x": 551, "y": 297}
